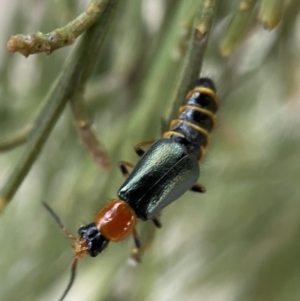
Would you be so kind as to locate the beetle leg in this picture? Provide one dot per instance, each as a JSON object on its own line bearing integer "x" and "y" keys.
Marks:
{"x": 198, "y": 188}
{"x": 136, "y": 251}
{"x": 139, "y": 249}
{"x": 136, "y": 238}
{"x": 138, "y": 149}
{"x": 123, "y": 167}
{"x": 157, "y": 222}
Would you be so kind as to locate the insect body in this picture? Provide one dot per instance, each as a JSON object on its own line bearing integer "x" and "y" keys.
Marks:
{"x": 162, "y": 175}
{"x": 167, "y": 170}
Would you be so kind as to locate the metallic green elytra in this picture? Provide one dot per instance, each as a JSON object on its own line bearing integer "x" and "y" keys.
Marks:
{"x": 163, "y": 174}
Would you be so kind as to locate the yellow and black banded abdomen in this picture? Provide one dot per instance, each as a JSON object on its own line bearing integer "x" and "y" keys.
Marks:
{"x": 196, "y": 118}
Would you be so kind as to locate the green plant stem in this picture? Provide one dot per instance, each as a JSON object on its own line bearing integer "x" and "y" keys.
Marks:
{"x": 40, "y": 42}
{"x": 237, "y": 28}
{"x": 78, "y": 68}
{"x": 193, "y": 60}
{"x": 271, "y": 12}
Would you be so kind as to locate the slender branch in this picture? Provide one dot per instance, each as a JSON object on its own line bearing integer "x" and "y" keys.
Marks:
{"x": 194, "y": 57}
{"x": 185, "y": 33}
{"x": 78, "y": 68}
{"x": 40, "y": 42}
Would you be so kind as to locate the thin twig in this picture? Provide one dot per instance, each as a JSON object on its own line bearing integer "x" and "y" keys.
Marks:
{"x": 193, "y": 60}
{"x": 40, "y": 42}
{"x": 78, "y": 68}
{"x": 87, "y": 134}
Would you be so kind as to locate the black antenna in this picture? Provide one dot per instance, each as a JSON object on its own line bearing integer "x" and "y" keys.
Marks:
{"x": 77, "y": 257}
{"x": 72, "y": 278}
{"x": 59, "y": 223}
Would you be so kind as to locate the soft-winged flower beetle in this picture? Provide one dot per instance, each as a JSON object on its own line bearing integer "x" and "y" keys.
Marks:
{"x": 166, "y": 171}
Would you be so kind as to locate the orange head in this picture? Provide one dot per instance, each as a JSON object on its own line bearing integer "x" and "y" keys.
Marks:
{"x": 114, "y": 222}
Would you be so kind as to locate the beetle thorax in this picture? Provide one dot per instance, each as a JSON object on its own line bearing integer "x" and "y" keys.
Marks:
{"x": 116, "y": 220}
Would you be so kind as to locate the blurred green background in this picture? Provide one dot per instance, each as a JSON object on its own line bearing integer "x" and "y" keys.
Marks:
{"x": 239, "y": 241}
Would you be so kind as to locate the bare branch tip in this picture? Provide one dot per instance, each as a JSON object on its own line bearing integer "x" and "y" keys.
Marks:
{"x": 20, "y": 43}
{"x": 201, "y": 31}
{"x": 83, "y": 125}
{"x": 226, "y": 52}
{"x": 269, "y": 24}
{"x": 243, "y": 6}
{"x": 12, "y": 44}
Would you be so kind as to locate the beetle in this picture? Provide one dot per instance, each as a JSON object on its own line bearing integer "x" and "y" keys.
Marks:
{"x": 166, "y": 171}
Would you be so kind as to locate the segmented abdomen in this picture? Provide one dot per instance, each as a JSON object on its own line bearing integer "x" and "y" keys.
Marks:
{"x": 196, "y": 118}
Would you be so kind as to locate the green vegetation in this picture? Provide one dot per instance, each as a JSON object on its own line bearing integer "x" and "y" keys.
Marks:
{"x": 239, "y": 241}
